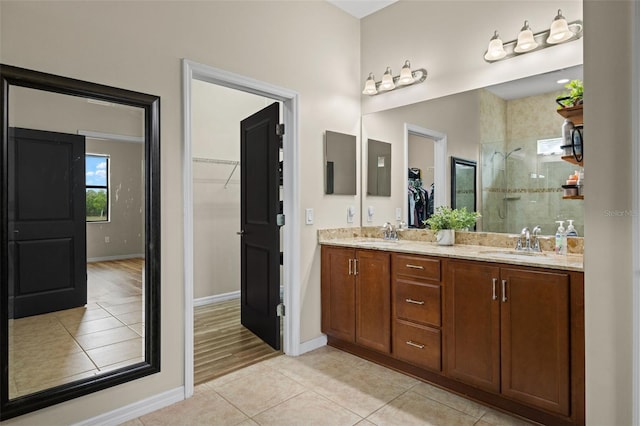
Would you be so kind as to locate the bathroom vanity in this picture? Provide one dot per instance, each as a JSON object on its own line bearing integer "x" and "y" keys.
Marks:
{"x": 496, "y": 326}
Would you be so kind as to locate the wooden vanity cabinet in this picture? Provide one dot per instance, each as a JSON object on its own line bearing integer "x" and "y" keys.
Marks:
{"x": 417, "y": 310}
{"x": 508, "y": 331}
{"x": 356, "y": 299}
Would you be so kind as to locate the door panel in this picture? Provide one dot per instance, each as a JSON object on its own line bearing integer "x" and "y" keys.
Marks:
{"x": 535, "y": 339}
{"x": 473, "y": 325}
{"x": 260, "y": 205}
{"x": 47, "y": 221}
{"x": 373, "y": 299}
{"x": 338, "y": 293}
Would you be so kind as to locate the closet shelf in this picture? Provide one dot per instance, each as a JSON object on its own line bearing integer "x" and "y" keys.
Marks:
{"x": 235, "y": 165}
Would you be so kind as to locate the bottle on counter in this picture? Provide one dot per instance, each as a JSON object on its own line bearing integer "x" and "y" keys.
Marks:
{"x": 561, "y": 238}
{"x": 571, "y": 230}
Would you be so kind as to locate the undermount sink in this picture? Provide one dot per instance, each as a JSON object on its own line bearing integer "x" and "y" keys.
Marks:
{"x": 378, "y": 243}
{"x": 512, "y": 254}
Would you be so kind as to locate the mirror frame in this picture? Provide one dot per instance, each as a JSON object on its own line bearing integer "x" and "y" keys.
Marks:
{"x": 10, "y": 75}
{"x": 469, "y": 163}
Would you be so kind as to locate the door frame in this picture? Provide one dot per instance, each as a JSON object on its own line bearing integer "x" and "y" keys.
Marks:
{"x": 440, "y": 162}
{"x": 291, "y": 234}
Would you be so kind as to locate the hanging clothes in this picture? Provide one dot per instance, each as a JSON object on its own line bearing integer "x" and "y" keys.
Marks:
{"x": 417, "y": 199}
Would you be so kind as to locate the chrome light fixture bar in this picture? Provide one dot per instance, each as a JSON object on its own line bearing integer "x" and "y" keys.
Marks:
{"x": 559, "y": 32}
{"x": 406, "y": 78}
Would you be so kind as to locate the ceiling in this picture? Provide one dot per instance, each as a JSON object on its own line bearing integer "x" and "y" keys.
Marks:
{"x": 361, "y": 8}
{"x": 536, "y": 84}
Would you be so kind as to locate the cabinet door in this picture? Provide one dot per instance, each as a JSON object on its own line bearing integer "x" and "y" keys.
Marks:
{"x": 373, "y": 300}
{"x": 473, "y": 324}
{"x": 535, "y": 338}
{"x": 338, "y": 292}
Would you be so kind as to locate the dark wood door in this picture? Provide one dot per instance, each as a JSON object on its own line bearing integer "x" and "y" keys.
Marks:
{"x": 535, "y": 338}
{"x": 473, "y": 324}
{"x": 260, "y": 205}
{"x": 338, "y": 293}
{"x": 47, "y": 221}
{"x": 373, "y": 299}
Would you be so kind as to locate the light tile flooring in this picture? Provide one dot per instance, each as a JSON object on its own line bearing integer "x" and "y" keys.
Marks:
{"x": 322, "y": 387}
{"x": 60, "y": 347}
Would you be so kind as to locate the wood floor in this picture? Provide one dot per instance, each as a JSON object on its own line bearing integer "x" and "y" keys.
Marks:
{"x": 222, "y": 344}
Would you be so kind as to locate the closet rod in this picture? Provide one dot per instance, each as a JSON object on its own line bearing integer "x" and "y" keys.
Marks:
{"x": 235, "y": 165}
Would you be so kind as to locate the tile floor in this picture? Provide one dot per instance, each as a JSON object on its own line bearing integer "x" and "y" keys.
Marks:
{"x": 60, "y": 347}
{"x": 322, "y": 387}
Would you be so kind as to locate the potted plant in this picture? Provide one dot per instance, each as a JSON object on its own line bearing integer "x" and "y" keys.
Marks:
{"x": 574, "y": 96}
{"x": 446, "y": 220}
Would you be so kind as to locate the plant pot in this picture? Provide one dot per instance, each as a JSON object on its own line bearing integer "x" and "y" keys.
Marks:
{"x": 446, "y": 237}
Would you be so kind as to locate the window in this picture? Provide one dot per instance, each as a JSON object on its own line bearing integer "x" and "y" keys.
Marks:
{"x": 97, "y": 184}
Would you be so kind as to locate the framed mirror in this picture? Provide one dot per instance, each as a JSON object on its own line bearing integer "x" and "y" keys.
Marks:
{"x": 378, "y": 168}
{"x": 340, "y": 163}
{"x": 463, "y": 184}
{"x": 79, "y": 238}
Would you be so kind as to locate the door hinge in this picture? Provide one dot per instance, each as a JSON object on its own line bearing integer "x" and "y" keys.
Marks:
{"x": 280, "y": 309}
{"x": 280, "y": 219}
{"x": 280, "y": 130}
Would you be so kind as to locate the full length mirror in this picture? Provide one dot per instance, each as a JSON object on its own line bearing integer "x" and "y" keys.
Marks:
{"x": 506, "y": 129}
{"x": 80, "y": 238}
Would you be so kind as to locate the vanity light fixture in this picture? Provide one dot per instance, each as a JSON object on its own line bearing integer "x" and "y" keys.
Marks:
{"x": 407, "y": 77}
{"x": 559, "y": 32}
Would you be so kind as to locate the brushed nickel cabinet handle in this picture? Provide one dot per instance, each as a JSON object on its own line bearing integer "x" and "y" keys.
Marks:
{"x": 495, "y": 283}
{"x": 504, "y": 290}
{"x": 416, "y": 302}
{"x": 355, "y": 266}
{"x": 414, "y": 266}
{"x": 415, "y": 345}
{"x": 350, "y": 266}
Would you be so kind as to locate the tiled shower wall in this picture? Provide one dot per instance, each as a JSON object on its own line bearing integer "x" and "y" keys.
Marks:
{"x": 519, "y": 187}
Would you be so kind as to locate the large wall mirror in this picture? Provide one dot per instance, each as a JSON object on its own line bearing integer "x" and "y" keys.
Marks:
{"x": 506, "y": 130}
{"x": 80, "y": 238}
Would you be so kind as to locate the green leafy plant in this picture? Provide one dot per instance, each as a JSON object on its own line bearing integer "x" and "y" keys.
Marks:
{"x": 447, "y": 218}
{"x": 574, "y": 95}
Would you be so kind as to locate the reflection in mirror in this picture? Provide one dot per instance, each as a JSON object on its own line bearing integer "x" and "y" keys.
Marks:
{"x": 463, "y": 184}
{"x": 378, "y": 168}
{"x": 522, "y": 172}
{"x": 90, "y": 316}
{"x": 340, "y": 163}
{"x": 519, "y": 187}
{"x": 79, "y": 307}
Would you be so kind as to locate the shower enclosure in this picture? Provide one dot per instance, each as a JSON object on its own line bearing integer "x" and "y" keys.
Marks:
{"x": 521, "y": 187}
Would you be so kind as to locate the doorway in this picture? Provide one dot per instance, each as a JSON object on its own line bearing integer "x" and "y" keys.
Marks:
{"x": 193, "y": 72}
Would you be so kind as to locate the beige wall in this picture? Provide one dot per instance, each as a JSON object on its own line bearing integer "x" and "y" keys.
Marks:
{"x": 125, "y": 229}
{"x": 216, "y": 115}
{"x": 311, "y": 47}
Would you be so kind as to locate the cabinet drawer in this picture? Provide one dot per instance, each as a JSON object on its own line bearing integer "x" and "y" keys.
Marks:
{"x": 417, "y": 345}
{"x": 417, "y": 302}
{"x": 416, "y": 267}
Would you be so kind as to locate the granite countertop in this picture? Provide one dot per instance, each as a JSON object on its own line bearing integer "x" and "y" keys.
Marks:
{"x": 570, "y": 262}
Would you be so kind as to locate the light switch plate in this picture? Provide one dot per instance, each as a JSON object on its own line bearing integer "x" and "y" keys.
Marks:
{"x": 351, "y": 212}
{"x": 308, "y": 216}
{"x": 370, "y": 212}
{"x": 398, "y": 213}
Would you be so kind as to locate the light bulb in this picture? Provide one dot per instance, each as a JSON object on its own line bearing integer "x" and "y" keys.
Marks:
{"x": 526, "y": 42}
{"x": 495, "y": 51}
{"x": 559, "y": 30}
{"x": 370, "y": 86}
{"x": 406, "y": 77}
{"x": 387, "y": 81}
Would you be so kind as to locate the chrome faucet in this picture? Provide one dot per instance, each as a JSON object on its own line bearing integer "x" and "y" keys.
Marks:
{"x": 389, "y": 231}
{"x": 525, "y": 235}
{"x": 529, "y": 240}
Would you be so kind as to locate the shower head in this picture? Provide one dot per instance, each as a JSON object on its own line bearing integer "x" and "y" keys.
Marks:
{"x": 512, "y": 151}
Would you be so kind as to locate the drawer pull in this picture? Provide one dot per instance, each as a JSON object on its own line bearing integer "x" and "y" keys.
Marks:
{"x": 416, "y": 302}
{"x": 415, "y": 345}
{"x": 415, "y": 266}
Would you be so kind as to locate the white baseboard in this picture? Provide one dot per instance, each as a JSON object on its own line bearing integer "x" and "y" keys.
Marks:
{"x": 216, "y": 298}
{"x": 137, "y": 409}
{"x": 117, "y": 257}
{"x": 313, "y": 344}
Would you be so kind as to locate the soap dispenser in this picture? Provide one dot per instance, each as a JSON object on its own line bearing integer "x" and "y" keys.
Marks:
{"x": 571, "y": 231}
{"x": 561, "y": 238}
